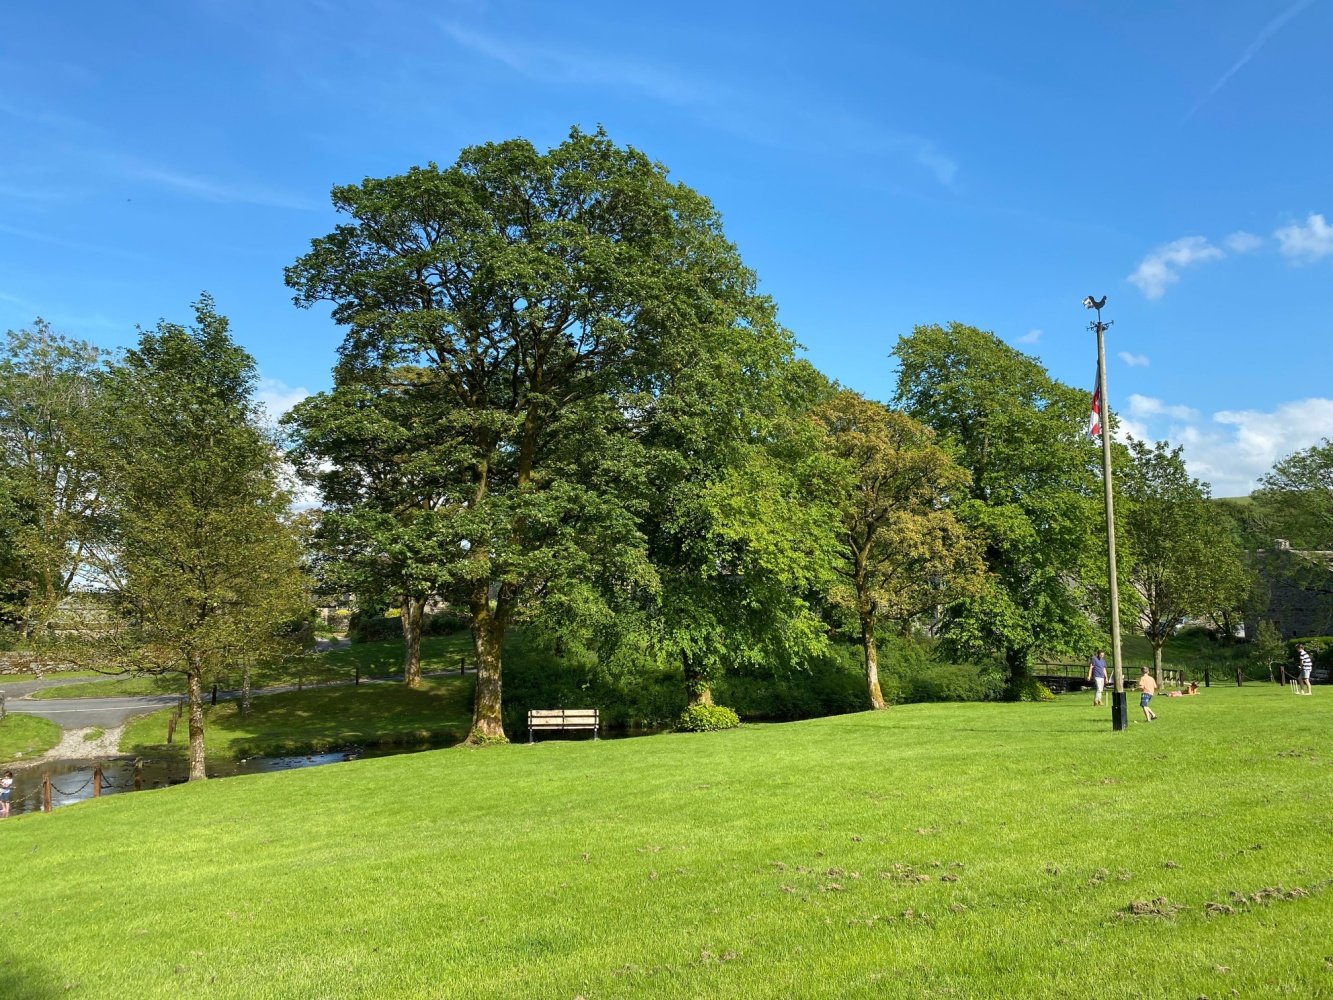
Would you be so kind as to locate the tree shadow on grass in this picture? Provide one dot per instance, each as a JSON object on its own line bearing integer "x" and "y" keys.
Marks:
{"x": 321, "y": 719}
{"x": 23, "y": 979}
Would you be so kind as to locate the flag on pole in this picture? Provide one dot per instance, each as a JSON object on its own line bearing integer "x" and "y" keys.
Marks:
{"x": 1095, "y": 418}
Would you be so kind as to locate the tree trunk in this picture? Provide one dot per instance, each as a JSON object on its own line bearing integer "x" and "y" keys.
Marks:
{"x": 413, "y": 609}
{"x": 698, "y": 690}
{"x": 196, "y": 692}
{"x": 488, "y": 642}
{"x": 871, "y": 661}
{"x": 1157, "y": 645}
{"x": 245, "y": 686}
{"x": 1017, "y": 661}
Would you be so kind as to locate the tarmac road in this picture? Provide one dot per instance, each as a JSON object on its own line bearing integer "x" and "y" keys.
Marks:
{"x": 81, "y": 713}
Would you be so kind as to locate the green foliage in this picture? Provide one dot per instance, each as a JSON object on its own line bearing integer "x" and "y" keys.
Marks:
{"x": 1296, "y": 498}
{"x": 321, "y": 719}
{"x": 51, "y": 439}
{"x": 702, "y": 718}
{"x": 207, "y": 559}
{"x": 1034, "y": 495}
{"x": 1185, "y": 559}
{"x": 902, "y": 550}
{"x": 372, "y": 627}
{"x": 1032, "y": 690}
{"x": 1320, "y": 648}
{"x": 513, "y": 322}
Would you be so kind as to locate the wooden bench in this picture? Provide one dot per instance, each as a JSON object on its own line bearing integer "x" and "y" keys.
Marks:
{"x": 563, "y": 718}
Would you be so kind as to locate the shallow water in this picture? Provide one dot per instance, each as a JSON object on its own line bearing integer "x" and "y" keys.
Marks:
{"x": 72, "y": 780}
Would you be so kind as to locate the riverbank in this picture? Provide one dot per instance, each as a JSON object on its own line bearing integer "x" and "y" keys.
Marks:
{"x": 316, "y": 720}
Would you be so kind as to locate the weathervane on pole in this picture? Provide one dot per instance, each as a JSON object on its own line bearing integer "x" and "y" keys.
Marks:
{"x": 1119, "y": 713}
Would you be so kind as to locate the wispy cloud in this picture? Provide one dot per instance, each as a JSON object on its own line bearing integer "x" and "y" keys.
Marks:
{"x": 1134, "y": 360}
{"x": 1307, "y": 242}
{"x": 201, "y": 187}
{"x": 1031, "y": 337}
{"x": 559, "y": 64}
{"x": 82, "y": 246}
{"x": 1161, "y": 268}
{"x": 1243, "y": 242}
{"x": 769, "y": 120}
{"x": 1267, "y": 32}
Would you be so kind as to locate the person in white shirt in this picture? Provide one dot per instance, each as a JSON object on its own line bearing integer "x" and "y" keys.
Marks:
{"x": 1307, "y": 667}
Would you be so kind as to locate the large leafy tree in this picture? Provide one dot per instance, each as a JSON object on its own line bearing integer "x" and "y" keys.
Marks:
{"x": 381, "y": 461}
{"x": 1186, "y": 562}
{"x": 50, "y": 423}
{"x": 540, "y": 302}
{"x": 207, "y": 561}
{"x": 1034, "y": 497}
{"x": 1296, "y": 497}
{"x": 738, "y": 518}
{"x": 902, "y": 549}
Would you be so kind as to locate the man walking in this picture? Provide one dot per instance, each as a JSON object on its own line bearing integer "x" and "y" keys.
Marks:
{"x": 1097, "y": 674}
{"x": 1307, "y": 667}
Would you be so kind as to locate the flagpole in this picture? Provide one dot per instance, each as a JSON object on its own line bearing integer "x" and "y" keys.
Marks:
{"x": 1119, "y": 709}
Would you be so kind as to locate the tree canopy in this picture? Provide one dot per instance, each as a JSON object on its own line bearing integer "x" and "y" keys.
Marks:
{"x": 206, "y": 564}
{"x": 1185, "y": 559}
{"x": 1033, "y": 497}
{"x": 901, "y": 549}
{"x": 542, "y": 303}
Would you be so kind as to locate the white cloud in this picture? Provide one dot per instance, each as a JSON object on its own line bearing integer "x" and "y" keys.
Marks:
{"x": 278, "y": 397}
{"x": 1308, "y": 242}
{"x": 1161, "y": 268}
{"x": 1031, "y": 337}
{"x": 1234, "y": 448}
{"x": 1146, "y": 406}
{"x": 1243, "y": 242}
{"x": 1134, "y": 360}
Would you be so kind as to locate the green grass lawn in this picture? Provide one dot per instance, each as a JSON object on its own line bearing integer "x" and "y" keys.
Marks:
{"x": 318, "y": 719}
{"x": 23, "y": 737}
{"x": 339, "y": 665}
{"x": 961, "y": 850}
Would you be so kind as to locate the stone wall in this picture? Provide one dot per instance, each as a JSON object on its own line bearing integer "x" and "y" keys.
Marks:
{"x": 1294, "y": 592}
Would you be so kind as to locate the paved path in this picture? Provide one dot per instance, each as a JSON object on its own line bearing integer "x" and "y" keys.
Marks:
{"x": 81, "y": 713}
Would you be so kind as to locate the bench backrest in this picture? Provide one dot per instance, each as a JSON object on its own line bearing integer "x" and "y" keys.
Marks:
{"x": 563, "y": 718}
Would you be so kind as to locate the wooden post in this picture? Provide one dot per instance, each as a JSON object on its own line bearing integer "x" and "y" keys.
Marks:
{"x": 97, "y": 780}
{"x": 138, "y": 774}
{"x": 215, "y": 695}
{"x": 357, "y": 682}
{"x": 2, "y": 706}
{"x": 462, "y": 666}
{"x": 46, "y": 792}
{"x": 171, "y": 728}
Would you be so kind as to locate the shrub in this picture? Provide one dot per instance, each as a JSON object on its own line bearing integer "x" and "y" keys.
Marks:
{"x": 707, "y": 719}
{"x": 1031, "y": 689}
{"x": 1320, "y": 648}
{"x": 371, "y": 626}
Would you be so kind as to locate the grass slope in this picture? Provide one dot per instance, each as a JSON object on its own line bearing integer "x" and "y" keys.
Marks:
{"x": 379, "y": 659}
{"x": 318, "y": 719}
{"x": 23, "y": 737}
{"x": 959, "y": 850}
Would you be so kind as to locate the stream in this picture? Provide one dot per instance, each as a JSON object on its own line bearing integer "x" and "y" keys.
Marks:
{"x": 72, "y": 780}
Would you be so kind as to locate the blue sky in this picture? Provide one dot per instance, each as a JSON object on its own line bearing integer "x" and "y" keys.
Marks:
{"x": 878, "y": 165}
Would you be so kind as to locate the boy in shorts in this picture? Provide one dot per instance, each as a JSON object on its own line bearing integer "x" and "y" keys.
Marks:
{"x": 1147, "y": 688}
